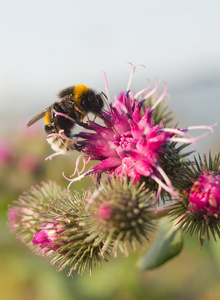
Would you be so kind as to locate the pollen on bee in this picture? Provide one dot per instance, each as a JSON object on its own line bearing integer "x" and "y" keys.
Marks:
{"x": 47, "y": 118}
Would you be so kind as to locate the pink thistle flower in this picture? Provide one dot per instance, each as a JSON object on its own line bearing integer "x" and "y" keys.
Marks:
{"x": 204, "y": 196}
{"x": 198, "y": 208}
{"x": 131, "y": 142}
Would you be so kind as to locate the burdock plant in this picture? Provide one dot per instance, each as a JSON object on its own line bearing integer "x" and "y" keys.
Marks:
{"x": 198, "y": 207}
{"x": 140, "y": 163}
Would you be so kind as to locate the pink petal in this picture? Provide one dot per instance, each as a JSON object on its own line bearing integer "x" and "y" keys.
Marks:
{"x": 108, "y": 163}
{"x": 143, "y": 168}
{"x": 104, "y": 132}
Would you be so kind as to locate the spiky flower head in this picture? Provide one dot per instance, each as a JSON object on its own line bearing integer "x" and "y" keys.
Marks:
{"x": 204, "y": 196}
{"x": 81, "y": 231}
{"x": 49, "y": 220}
{"x": 121, "y": 215}
{"x": 198, "y": 210}
{"x": 23, "y": 214}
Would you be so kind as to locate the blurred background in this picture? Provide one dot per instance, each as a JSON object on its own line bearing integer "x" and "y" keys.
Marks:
{"x": 49, "y": 45}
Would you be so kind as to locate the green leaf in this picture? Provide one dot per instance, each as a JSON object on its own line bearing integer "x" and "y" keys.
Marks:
{"x": 168, "y": 244}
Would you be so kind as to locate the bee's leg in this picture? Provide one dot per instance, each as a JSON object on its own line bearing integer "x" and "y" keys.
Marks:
{"x": 82, "y": 111}
{"x": 60, "y": 134}
{"x": 87, "y": 119}
{"x": 56, "y": 113}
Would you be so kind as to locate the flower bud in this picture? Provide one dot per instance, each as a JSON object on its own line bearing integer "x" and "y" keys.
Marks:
{"x": 121, "y": 214}
{"x": 198, "y": 209}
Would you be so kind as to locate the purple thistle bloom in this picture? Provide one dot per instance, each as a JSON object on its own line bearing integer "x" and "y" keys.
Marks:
{"x": 198, "y": 208}
{"x": 131, "y": 143}
{"x": 204, "y": 196}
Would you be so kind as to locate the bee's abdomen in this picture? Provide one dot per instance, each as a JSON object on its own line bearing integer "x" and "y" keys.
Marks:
{"x": 60, "y": 145}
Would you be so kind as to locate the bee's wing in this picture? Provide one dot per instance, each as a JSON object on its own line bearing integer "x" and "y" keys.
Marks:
{"x": 39, "y": 116}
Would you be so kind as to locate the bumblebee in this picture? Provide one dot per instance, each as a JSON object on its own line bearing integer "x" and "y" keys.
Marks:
{"x": 74, "y": 104}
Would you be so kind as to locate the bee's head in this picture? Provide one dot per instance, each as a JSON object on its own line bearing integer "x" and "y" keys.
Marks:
{"x": 85, "y": 97}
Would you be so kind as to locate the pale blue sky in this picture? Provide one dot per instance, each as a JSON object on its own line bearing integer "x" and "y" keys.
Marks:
{"x": 48, "y": 45}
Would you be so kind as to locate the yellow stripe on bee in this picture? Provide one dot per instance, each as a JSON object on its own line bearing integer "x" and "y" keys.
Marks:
{"x": 78, "y": 91}
{"x": 47, "y": 118}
